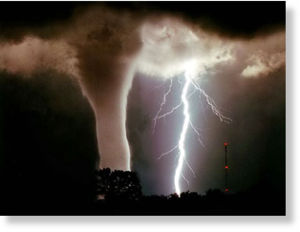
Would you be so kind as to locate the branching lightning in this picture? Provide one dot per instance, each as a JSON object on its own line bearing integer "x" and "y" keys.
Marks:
{"x": 160, "y": 116}
{"x": 162, "y": 104}
{"x": 189, "y": 81}
{"x": 211, "y": 103}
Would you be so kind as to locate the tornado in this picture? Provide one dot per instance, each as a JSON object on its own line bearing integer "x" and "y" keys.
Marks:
{"x": 108, "y": 101}
{"x": 97, "y": 47}
{"x": 107, "y": 44}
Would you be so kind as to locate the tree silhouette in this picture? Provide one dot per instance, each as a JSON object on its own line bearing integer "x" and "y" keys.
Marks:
{"x": 118, "y": 185}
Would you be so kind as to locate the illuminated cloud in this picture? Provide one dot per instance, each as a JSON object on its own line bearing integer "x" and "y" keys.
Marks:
{"x": 169, "y": 44}
{"x": 262, "y": 63}
{"x": 264, "y": 55}
{"x": 34, "y": 54}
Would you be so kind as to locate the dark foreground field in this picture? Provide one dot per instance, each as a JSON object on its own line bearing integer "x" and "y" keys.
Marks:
{"x": 121, "y": 194}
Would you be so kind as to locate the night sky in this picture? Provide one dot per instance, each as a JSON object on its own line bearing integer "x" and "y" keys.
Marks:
{"x": 48, "y": 141}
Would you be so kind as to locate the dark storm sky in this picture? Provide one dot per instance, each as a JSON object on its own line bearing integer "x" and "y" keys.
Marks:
{"x": 54, "y": 126}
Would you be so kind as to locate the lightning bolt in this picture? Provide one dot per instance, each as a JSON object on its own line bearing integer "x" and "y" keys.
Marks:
{"x": 182, "y": 152}
{"x": 189, "y": 82}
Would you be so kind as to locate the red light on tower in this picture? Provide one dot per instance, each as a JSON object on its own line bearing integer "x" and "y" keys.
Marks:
{"x": 226, "y": 189}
